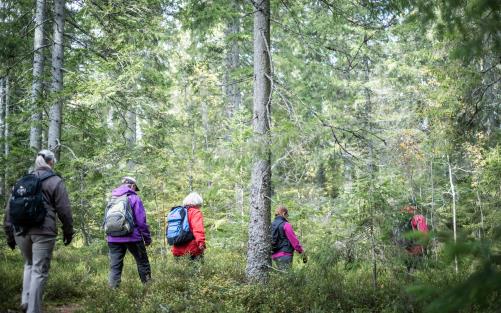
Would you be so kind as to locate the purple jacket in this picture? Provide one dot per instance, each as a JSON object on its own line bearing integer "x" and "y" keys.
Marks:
{"x": 141, "y": 229}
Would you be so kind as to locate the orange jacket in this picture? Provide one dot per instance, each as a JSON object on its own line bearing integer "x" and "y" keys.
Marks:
{"x": 197, "y": 245}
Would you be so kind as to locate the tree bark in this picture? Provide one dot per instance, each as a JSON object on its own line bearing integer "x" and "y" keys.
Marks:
{"x": 37, "y": 84}
{"x": 2, "y": 123}
{"x": 6, "y": 131}
{"x": 232, "y": 61}
{"x": 454, "y": 227}
{"x": 479, "y": 203}
{"x": 109, "y": 119}
{"x": 55, "y": 114}
{"x": 432, "y": 211}
{"x": 259, "y": 246}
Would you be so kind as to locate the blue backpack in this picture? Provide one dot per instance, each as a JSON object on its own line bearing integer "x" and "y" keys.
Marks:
{"x": 178, "y": 229}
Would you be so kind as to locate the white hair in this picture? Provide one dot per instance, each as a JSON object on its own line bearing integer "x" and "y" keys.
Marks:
{"x": 193, "y": 199}
{"x": 43, "y": 159}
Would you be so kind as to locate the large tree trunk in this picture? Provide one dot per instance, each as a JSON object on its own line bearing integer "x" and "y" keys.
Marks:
{"x": 258, "y": 250}
{"x": 6, "y": 132}
{"x": 232, "y": 61}
{"x": 55, "y": 115}
{"x": 37, "y": 85}
{"x": 490, "y": 96}
{"x": 2, "y": 123}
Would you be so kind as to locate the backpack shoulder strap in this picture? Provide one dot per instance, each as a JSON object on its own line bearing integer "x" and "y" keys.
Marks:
{"x": 280, "y": 228}
{"x": 280, "y": 224}
{"x": 46, "y": 175}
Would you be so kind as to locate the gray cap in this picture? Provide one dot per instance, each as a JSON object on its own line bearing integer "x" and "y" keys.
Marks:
{"x": 130, "y": 180}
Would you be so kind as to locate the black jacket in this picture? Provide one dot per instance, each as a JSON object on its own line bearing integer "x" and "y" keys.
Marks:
{"x": 279, "y": 241}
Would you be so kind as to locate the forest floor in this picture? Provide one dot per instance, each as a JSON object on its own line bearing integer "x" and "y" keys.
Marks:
{"x": 327, "y": 283}
{"x": 56, "y": 308}
{"x": 66, "y": 308}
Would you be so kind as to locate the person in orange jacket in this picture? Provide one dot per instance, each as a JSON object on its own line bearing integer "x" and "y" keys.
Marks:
{"x": 196, "y": 247}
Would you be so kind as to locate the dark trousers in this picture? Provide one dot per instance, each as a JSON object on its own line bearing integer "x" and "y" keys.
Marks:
{"x": 283, "y": 262}
{"x": 117, "y": 254}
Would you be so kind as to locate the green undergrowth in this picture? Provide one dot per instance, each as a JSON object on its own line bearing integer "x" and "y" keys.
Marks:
{"x": 78, "y": 277}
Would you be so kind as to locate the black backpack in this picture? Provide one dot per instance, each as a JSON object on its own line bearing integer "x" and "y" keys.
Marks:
{"x": 26, "y": 206}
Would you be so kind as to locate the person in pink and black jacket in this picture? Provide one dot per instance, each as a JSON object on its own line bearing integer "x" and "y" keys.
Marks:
{"x": 283, "y": 240}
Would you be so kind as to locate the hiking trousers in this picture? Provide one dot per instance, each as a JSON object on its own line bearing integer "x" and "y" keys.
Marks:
{"x": 283, "y": 262}
{"x": 117, "y": 254}
{"x": 37, "y": 254}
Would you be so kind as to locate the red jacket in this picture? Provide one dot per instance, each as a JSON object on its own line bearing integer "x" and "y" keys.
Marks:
{"x": 418, "y": 223}
{"x": 197, "y": 245}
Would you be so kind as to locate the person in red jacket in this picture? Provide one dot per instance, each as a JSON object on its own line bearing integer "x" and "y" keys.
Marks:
{"x": 417, "y": 223}
{"x": 196, "y": 247}
{"x": 415, "y": 249}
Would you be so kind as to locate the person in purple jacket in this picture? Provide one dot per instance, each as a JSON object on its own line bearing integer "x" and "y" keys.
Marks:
{"x": 283, "y": 240}
{"x": 135, "y": 242}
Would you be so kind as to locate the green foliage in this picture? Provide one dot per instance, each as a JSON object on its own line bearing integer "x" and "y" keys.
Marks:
{"x": 368, "y": 109}
{"x": 11, "y": 272}
{"x": 477, "y": 291}
{"x": 473, "y": 26}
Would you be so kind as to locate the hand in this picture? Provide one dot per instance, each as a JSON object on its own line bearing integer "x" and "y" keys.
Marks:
{"x": 67, "y": 237}
{"x": 11, "y": 244}
{"x": 201, "y": 247}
